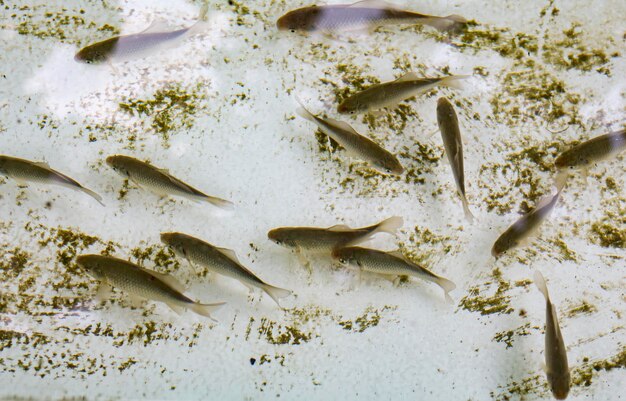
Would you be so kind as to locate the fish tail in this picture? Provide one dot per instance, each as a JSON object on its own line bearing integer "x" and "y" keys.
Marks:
{"x": 560, "y": 180}
{"x": 453, "y": 81}
{"x": 447, "y": 286}
{"x": 445, "y": 23}
{"x": 303, "y": 112}
{"x": 276, "y": 293}
{"x": 468, "y": 213}
{"x": 222, "y": 203}
{"x": 540, "y": 282}
{"x": 94, "y": 195}
{"x": 206, "y": 309}
{"x": 390, "y": 225}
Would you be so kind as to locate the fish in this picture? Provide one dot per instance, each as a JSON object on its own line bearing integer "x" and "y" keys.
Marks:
{"x": 389, "y": 94}
{"x": 451, "y": 135}
{"x": 23, "y": 171}
{"x": 596, "y": 149}
{"x": 556, "y": 367}
{"x": 143, "y": 283}
{"x": 159, "y": 181}
{"x": 158, "y": 36}
{"x": 325, "y": 240}
{"x": 367, "y": 14}
{"x": 390, "y": 264}
{"x": 220, "y": 260}
{"x": 527, "y": 225}
{"x": 355, "y": 144}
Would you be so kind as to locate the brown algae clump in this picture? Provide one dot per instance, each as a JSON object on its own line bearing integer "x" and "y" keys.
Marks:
{"x": 499, "y": 302}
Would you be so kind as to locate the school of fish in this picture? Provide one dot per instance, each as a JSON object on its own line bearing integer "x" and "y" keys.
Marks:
{"x": 339, "y": 243}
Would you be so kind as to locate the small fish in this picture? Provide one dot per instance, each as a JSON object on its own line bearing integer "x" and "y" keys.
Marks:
{"x": 355, "y": 144}
{"x": 556, "y": 366}
{"x": 527, "y": 225}
{"x": 389, "y": 94}
{"x": 143, "y": 283}
{"x": 159, "y": 181}
{"x": 599, "y": 148}
{"x": 23, "y": 171}
{"x": 220, "y": 260}
{"x": 451, "y": 135}
{"x": 390, "y": 264}
{"x": 324, "y": 240}
{"x": 158, "y": 36}
{"x": 367, "y": 14}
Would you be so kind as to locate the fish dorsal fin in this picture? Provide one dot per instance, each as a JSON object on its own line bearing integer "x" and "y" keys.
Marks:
{"x": 338, "y": 227}
{"x": 397, "y": 253}
{"x": 409, "y": 76}
{"x": 42, "y": 164}
{"x": 169, "y": 280}
{"x": 373, "y": 4}
{"x": 164, "y": 171}
{"x": 341, "y": 124}
{"x": 229, "y": 253}
{"x": 157, "y": 26}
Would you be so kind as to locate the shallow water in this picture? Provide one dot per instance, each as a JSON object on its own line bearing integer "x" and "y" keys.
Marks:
{"x": 218, "y": 111}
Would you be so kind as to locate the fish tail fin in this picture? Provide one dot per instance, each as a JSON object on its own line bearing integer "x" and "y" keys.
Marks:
{"x": 560, "y": 180}
{"x": 447, "y": 286}
{"x": 206, "y": 309}
{"x": 202, "y": 24}
{"x": 454, "y": 81}
{"x": 390, "y": 225}
{"x": 445, "y": 23}
{"x": 468, "y": 213}
{"x": 303, "y": 112}
{"x": 222, "y": 203}
{"x": 94, "y": 195}
{"x": 540, "y": 282}
{"x": 276, "y": 293}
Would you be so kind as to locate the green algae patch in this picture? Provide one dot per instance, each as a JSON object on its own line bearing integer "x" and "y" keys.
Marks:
{"x": 9, "y": 338}
{"x": 12, "y": 263}
{"x": 610, "y": 230}
{"x": 518, "y": 390}
{"x": 482, "y": 299}
{"x": 583, "y": 375}
{"x": 422, "y": 243}
{"x": 370, "y": 318}
{"x": 275, "y": 333}
{"x": 583, "y": 308}
{"x": 507, "y": 337}
{"x": 169, "y": 110}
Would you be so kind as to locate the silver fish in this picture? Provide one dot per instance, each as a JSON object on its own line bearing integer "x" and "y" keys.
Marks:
{"x": 389, "y": 94}
{"x": 557, "y": 370}
{"x": 451, "y": 135}
{"x": 220, "y": 260}
{"x": 140, "y": 282}
{"x": 324, "y": 240}
{"x": 518, "y": 233}
{"x": 139, "y": 45}
{"x": 365, "y": 14}
{"x": 355, "y": 144}
{"x": 159, "y": 181}
{"x": 596, "y": 149}
{"x": 23, "y": 171}
{"x": 390, "y": 264}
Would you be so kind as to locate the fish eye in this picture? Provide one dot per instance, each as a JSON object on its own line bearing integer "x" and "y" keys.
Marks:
{"x": 343, "y": 261}
{"x": 293, "y": 30}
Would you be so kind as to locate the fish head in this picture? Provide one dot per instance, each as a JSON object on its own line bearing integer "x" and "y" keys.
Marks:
{"x": 117, "y": 164}
{"x": 281, "y": 236}
{"x": 559, "y": 384}
{"x": 350, "y": 106}
{"x": 175, "y": 243}
{"x": 502, "y": 245}
{"x": 303, "y": 19}
{"x": 345, "y": 256}
{"x": 93, "y": 264}
{"x": 91, "y": 55}
{"x": 389, "y": 165}
{"x": 571, "y": 160}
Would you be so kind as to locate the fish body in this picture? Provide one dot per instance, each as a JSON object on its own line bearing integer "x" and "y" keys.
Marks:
{"x": 361, "y": 15}
{"x": 557, "y": 370}
{"x": 23, "y": 171}
{"x": 158, "y": 180}
{"x": 390, "y": 264}
{"x": 139, "y": 45}
{"x": 527, "y": 225}
{"x": 325, "y": 240}
{"x": 451, "y": 135}
{"x": 219, "y": 260}
{"x": 144, "y": 283}
{"x": 389, "y": 94}
{"x": 596, "y": 149}
{"x": 356, "y": 144}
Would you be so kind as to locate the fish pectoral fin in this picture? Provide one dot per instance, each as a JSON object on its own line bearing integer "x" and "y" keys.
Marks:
{"x": 103, "y": 293}
{"x": 342, "y": 125}
{"x": 176, "y": 308}
{"x": 135, "y": 301}
{"x": 169, "y": 280}
{"x": 397, "y": 253}
{"x": 42, "y": 164}
{"x": 157, "y": 26}
{"x": 20, "y": 182}
{"x": 409, "y": 76}
{"x": 164, "y": 171}
{"x": 374, "y": 4}
{"x": 338, "y": 227}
